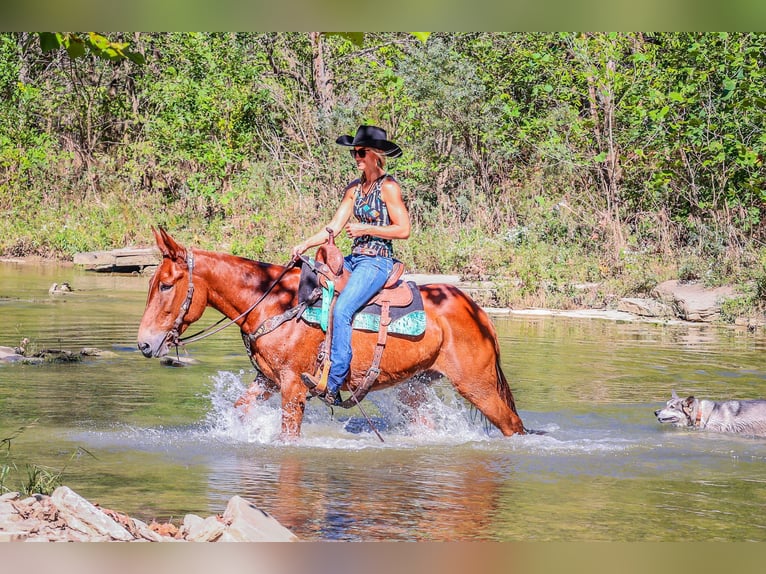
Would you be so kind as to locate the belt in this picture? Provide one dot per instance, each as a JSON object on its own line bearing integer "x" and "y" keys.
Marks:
{"x": 380, "y": 251}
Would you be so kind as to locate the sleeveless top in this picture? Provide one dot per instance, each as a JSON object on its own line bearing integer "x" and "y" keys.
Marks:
{"x": 372, "y": 210}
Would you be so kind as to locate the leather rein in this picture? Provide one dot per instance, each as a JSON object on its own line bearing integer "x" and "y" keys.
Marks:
{"x": 174, "y": 337}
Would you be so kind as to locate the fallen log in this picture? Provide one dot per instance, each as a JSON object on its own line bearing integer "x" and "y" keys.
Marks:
{"x": 124, "y": 260}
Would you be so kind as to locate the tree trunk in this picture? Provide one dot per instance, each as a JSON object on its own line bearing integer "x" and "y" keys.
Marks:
{"x": 321, "y": 75}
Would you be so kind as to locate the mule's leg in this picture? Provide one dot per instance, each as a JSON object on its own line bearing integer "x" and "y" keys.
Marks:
{"x": 261, "y": 389}
{"x": 293, "y": 405}
{"x": 489, "y": 392}
{"x": 478, "y": 378}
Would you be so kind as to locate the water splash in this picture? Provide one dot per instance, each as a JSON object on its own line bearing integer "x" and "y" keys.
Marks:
{"x": 260, "y": 424}
{"x": 443, "y": 418}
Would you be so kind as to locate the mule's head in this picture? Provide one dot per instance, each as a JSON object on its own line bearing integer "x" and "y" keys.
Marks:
{"x": 171, "y": 306}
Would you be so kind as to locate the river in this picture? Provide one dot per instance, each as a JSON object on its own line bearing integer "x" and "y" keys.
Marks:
{"x": 158, "y": 442}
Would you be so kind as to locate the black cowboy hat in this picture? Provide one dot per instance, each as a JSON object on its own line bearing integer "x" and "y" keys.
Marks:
{"x": 372, "y": 137}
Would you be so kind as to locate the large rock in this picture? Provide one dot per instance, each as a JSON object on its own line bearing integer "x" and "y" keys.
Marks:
{"x": 645, "y": 307}
{"x": 693, "y": 301}
{"x": 199, "y": 530}
{"x": 85, "y": 517}
{"x": 248, "y": 523}
{"x": 9, "y": 355}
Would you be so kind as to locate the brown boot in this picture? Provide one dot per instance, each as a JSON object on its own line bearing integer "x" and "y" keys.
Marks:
{"x": 315, "y": 388}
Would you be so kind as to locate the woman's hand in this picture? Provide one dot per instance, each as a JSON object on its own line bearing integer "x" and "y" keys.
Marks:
{"x": 298, "y": 250}
{"x": 356, "y": 229}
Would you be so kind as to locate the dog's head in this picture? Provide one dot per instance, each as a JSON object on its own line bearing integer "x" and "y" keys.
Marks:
{"x": 677, "y": 411}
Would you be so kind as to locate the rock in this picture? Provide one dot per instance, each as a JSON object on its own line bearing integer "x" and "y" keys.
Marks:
{"x": 207, "y": 530}
{"x": 645, "y": 307}
{"x": 57, "y": 356}
{"x": 85, "y": 517}
{"x": 169, "y": 361}
{"x": 58, "y": 288}
{"x": 248, "y": 523}
{"x": 9, "y": 355}
{"x": 693, "y": 301}
{"x": 751, "y": 323}
{"x": 94, "y": 352}
{"x": 67, "y": 517}
{"x": 166, "y": 529}
{"x": 425, "y": 279}
{"x": 145, "y": 532}
{"x": 13, "y": 536}
{"x": 190, "y": 521}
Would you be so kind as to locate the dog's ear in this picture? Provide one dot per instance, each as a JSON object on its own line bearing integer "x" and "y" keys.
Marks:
{"x": 673, "y": 394}
{"x": 687, "y": 404}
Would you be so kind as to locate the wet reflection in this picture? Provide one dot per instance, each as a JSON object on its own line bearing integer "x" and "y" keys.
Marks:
{"x": 391, "y": 496}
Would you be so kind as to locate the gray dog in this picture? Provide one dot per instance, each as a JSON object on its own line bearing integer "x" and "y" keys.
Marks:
{"x": 746, "y": 417}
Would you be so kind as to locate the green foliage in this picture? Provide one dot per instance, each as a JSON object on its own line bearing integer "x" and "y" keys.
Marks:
{"x": 76, "y": 45}
{"x": 540, "y": 159}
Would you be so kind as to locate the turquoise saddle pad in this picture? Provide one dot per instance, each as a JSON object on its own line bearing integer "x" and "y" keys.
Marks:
{"x": 410, "y": 321}
{"x": 411, "y": 324}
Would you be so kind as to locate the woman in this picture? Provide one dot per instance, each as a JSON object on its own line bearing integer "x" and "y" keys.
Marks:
{"x": 375, "y": 200}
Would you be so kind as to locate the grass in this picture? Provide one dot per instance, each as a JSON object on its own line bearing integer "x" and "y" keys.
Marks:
{"x": 31, "y": 478}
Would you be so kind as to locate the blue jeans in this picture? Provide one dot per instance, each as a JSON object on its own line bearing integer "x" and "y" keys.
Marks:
{"x": 368, "y": 276}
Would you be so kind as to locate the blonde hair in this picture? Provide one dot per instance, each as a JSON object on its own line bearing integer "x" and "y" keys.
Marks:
{"x": 381, "y": 157}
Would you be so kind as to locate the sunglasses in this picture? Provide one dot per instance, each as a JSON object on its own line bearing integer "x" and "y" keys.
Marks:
{"x": 362, "y": 153}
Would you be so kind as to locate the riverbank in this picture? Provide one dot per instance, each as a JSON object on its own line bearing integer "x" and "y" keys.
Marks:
{"x": 65, "y": 516}
{"x": 672, "y": 300}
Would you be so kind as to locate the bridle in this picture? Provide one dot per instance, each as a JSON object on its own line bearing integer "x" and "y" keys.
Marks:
{"x": 174, "y": 337}
{"x": 174, "y": 334}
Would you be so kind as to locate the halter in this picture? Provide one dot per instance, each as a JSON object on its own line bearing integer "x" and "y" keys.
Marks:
{"x": 174, "y": 334}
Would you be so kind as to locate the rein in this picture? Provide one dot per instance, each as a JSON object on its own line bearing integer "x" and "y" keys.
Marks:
{"x": 173, "y": 335}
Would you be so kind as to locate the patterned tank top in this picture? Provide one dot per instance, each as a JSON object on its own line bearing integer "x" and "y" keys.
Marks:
{"x": 372, "y": 210}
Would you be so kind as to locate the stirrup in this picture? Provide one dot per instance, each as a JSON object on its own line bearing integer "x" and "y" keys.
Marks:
{"x": 314, "y": 385}
{"x": 325, "y": 395}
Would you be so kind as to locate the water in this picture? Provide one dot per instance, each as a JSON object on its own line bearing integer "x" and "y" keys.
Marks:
{"x": 159, "y": 442}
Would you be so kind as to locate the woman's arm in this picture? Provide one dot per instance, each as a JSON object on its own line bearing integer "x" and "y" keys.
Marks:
{"x": 342, "y": 215}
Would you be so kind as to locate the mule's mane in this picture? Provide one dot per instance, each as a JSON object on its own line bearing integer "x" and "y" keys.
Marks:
{"x": 236, "y": 260}
{"x": 234, "y": 283}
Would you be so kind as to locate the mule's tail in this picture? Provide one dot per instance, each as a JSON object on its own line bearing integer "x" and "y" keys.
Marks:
{"x": 503, "y": 388}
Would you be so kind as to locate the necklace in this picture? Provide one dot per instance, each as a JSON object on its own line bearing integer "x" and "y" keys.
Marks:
{"x": 363, "y": 182}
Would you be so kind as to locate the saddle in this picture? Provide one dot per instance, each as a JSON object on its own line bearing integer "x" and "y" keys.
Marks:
{"x": 329, "y": 267}
{"x": 331, "y": 274}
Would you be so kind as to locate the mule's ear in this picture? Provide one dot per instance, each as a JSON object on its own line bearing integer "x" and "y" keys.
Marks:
{"x": 167, "y": 245}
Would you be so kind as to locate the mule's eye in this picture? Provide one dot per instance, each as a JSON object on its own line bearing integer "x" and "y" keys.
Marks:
{"x": 165, "y": 287}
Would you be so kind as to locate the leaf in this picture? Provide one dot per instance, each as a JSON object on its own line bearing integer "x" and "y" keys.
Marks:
{"x": 99, "y": 41}
{"x": 422, "y": 36}
{"x": 356, "y": 38}
{"x": 75, "y": 48}
{"x": 49, "y": 41}
{"x": 600, "y": 157}
{"x": 676, "y": 97}
{"x": 135, "y": 57}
